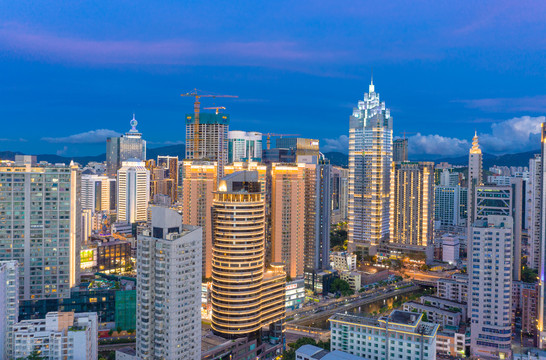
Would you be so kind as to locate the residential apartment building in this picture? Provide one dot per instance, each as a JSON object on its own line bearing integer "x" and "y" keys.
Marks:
{"x": 533, "y": 200}
{"x": 9, "y": 305}
{"x": 98, "y": 193}
{"x": 245, "y": 295}
{"x": 400, "y": 150}
{"x": 133, "y": 192}
{"x": 169, "y": 288}
{"x": 343, "y": 261}
{"x": 400, "y": 335}
{"x": 370, "y": 161}
{"x": 61, "y": 335}
{"x": 199, "y": 181}
{"x": 455, "y": 289}
{"x": 490, "y": 286}
{"x": 40, "y": 220}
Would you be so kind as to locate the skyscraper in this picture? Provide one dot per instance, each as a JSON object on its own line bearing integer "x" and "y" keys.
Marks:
{"x": 400, "y": 150}
{"x": 475, "y": 178}
{"x": 133, "y": 192}
{"x": 339, "y": 194}
{"x": 9, "y": 305}
{"x": 123, "y": 148}
{"x": 541, "y": 323}
{"x": 244, "y": 146}
{"x": 449, "y": 206}
{"x": 301, "y": 146}
{"x": 98, "y": 193}
{"x": 212, "y": 139}
{"x": 317, "y": 252}
{"x": 534, "y": 199}
{"x": 170, "y": 164}
{"x": 245, "y": 295}
{"x": 169, "y": 288}
{"x": 412, "y": 205}
{"x": 370, "y": 157}
{"x": 40, "y": 221}
{"x": 199, "y": 181}
{"x": 490, "y": 286}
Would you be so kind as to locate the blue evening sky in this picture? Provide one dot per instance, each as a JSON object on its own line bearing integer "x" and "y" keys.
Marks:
{"x": 73, "y": 72}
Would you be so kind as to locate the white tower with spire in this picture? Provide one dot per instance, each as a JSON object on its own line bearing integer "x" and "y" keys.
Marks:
{"x": 475, "y": 178}
{"x": 370, "y": 160}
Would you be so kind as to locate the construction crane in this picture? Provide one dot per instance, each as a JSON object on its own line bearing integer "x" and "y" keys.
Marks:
{"x": 215, "y": 108}
{"x": 406, "y": 132}
{"x": 196, "y": 106}
{"x": 269, "y": 135}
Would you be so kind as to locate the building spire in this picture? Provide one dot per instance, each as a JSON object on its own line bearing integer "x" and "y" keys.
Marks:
{"x": 372, "y": 87}
{"x": 475, "y": 145}
{"x": 134, "y": 123}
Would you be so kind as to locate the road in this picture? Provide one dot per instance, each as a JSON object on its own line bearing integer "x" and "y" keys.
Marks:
{"x": 327, "y": 310}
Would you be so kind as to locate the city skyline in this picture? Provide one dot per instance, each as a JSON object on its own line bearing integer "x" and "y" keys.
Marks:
{"x": 90, "y": 80}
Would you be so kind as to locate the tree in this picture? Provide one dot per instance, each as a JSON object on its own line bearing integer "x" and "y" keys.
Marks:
{"x": 342, "y": 287}
{"x": 35, "y": 355}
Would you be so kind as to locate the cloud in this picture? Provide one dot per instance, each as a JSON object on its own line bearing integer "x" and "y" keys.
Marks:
{"x": 436, "y": 144}
{"x": 62, "y": 151}
{"x": 510, "y": 136}
{"x": 7, "y": 139}
{"x": 517, "y": 134}
{"x": 340, "y": 144}
{"x": 41, "y": 44}
{"x": 536, "y": 104}
{"x": 89, "y": 137}
{"x": 165, "y": 143}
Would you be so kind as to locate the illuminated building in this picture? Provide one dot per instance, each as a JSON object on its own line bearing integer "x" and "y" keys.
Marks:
{"x": 245, "y": 295}
{"x": 40, "y": 220}
{"x": 98, "y": 193}
{"x": 9, "y": 305}
{"x": 169, "y": 288}
{"x": 475, "y": 179}
{"x": 244, "y": 146}
{"x": 400, "y": 150}
{"x": 249, "y": 166}
{"x": 412, "y": 205}
{"x": 213, "y": 139}
{"x": 370, "y": 158}
{"x": 123, "y": 148}
{"x": 170, "y": 164}
{"x": 133, "y": 192}
{"x": 533, "y": 211}
{"x": 449, "y": 206}
{"x": 542, "y": 294}
{"x": 399, "y": 335}
{"x": 490, "y": 286}
{"x": 300, "y": 216}
{"x": 198, "y": 184}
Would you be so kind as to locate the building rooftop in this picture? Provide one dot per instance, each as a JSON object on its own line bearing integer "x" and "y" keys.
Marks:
{"x": 404, "y": 318}
{"x": 315, "y": 352}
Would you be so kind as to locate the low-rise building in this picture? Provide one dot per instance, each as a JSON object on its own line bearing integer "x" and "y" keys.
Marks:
{"x": 295, "y": 294}
{"x": 445, "y": 304}
{"x": 61, "y": 335}
{"x": 434, "y": 314}
{"x": 455, "y": 289}
{"x": 311, "y": 352}
{"x": 399, "y": 335}
{"x": 319, "y": 281}
{"x": 343, "y": 261}
{"x": 451, "y": 343}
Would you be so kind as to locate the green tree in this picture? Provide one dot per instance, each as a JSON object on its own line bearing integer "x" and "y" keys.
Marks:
{"x": 342, "y": 287}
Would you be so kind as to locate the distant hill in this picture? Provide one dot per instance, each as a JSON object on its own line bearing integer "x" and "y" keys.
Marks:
{"x": 172, "y": 150}
{"x": 337, "y": 158}
{"x": 518, "y": 159}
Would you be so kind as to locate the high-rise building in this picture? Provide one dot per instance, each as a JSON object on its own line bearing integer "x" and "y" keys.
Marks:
{"x": 448, "y": 178}
{"x": 133, "y": 192}
{"x": 370, "y": 158}
{"x": 301, "y": 146}
{"x": 533, "y": 212}
{"x": 199, "y": 181}
{"x": 339, "y": 194}
{"x": 399, "y": 335}
{"x": 124, "y": 148}
{"x": 212, "y": 139}
{"x": 169, "y": 288}
{"x": 412, "y": 205}
{"x": 61, "y": 335}
{"x": 318, "y": 248}
{"x": 400, "y": 150}
{"x": 170, "y": 164}
{"x": 245, "y": 295}
{"x": 98, "y": 193}
{"x": 449, "y": 206}
{"x": 490, "y": 286}
{"x": 40, "y": 219}
{"x": 244, "y": 146}
{"x": 9, "y": 306}
{"x": 541, "y": 323}
{"x": 475, "y": 178}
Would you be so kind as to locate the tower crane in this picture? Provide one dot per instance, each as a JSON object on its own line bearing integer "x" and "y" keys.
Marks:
{"x": 217, "y": 108}
{"x": 196, "y": 107}
{"x": 406, "y": 132}
{"x": 269, "y": 135}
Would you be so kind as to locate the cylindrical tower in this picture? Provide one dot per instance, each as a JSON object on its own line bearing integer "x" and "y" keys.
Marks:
{"x": 238, "y": 258}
